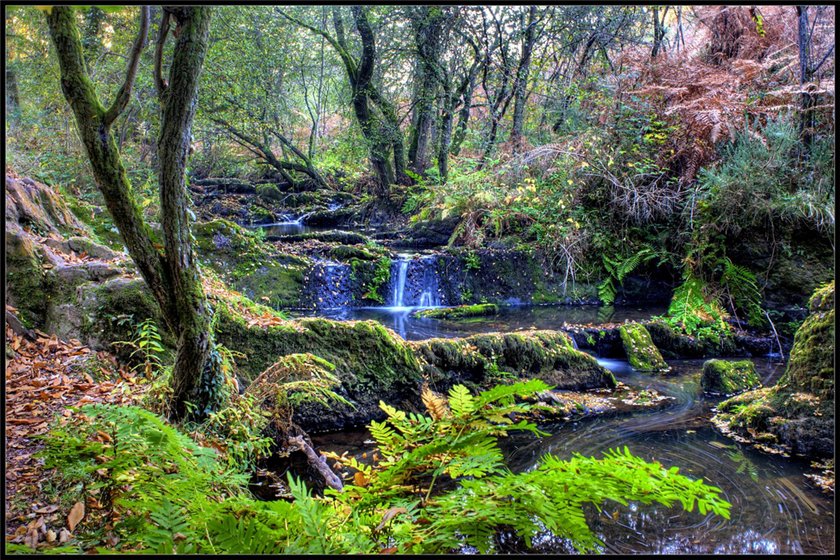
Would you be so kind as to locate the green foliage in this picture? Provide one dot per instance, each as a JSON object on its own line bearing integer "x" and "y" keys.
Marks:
{"x": 696, "y": 313}
{"x": 148, "y": 348}
{"x": 760, "y": 178}
{"x": 238, "y": 429}
{"x": 137, "y": 464}
{"x": 618, "y": 269}
{"x": 437, "y": 483}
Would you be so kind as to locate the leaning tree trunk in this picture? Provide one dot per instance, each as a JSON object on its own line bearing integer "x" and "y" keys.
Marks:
{"x": 173, "y": 278}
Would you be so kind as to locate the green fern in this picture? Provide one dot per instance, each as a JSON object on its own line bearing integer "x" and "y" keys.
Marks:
{"x": 618, "y": 269}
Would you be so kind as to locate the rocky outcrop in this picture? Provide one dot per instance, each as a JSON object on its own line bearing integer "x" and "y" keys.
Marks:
{"x": 797, "y": 414}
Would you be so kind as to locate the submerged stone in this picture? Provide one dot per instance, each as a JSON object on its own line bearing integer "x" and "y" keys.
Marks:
{"x": 726, "y": 378}
{"x": 641, "y": 351}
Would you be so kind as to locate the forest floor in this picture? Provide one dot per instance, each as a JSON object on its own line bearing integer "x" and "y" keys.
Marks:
{"x": 45, "y": 377}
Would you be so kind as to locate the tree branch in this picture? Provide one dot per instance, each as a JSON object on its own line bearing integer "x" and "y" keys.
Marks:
{"x": 160, "y": 83}
{"x": 124, "y": 94}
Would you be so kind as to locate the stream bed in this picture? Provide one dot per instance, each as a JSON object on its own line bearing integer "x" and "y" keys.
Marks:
{"x": 776, "y": 509}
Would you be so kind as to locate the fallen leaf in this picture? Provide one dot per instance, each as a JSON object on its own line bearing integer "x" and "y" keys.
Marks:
{"x": 77, "y": 512}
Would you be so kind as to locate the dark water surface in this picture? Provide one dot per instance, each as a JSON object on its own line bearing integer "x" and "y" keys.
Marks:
{"x": 509, "y": 318}
{"x": 775, "y": 508}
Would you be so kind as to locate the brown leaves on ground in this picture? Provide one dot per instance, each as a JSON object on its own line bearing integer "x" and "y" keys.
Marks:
{"x": 44, "y": 378}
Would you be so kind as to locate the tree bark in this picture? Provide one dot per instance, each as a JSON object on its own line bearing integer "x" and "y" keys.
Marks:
{"x": 196, "y": 377}
{"x": 520, "y": 88}
{"x": 427, "y": 37}
{"x": 172, "y": 277}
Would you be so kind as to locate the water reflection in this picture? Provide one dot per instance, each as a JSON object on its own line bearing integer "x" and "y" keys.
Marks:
{"x": 508, "y": 319}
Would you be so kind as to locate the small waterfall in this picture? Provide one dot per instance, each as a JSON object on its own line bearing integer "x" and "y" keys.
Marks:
{"x": 414, "y": 282}
{"x": 399, "y": 284}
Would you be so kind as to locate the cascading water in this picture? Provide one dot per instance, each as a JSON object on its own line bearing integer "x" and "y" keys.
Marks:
{"x": 399, "y": 284}
{"x": 414, "y": 282}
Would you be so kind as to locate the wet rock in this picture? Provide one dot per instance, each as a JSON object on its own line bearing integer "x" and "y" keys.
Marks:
{"x": 641, "y": 352}
{"x": 547, "y": 355}
{"x": 331, "y": 236}
{"x": 723, "y": 377}
{"x": 797, "y": 414}
{"x": 477, "y": 310}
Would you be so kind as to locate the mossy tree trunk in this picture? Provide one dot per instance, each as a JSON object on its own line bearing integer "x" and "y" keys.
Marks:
{"x": 173, "y": 275}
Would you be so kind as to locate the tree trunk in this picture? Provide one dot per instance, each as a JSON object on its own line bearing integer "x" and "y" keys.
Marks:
{"x": 173, "y": 279}
{"x": 12, "y": 98}
{"x": 196, "y": 377}
{"x": 445, "y": 131}
{"x": 464, "y": 113}
{"x": 427, "y": 37}
{"x": 521, "y": 85}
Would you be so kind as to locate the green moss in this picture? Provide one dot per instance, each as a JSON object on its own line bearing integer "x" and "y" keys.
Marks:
{"x": 366, "y": 354}
{"x": 811, "y": 365}
{"x": 269, "y": 191}
{"x": 349, "y": 252}
{"x": 548, "y": 355}
{"x": 371, "y": 277}
{"x": 725, "y": 378}
{"x": 798, "y": 412}
{"x": 26, "y": 284}
{"x": 476, "y": 310}
{"x": 641, "y": 352}
{"x": 249, "y": 265}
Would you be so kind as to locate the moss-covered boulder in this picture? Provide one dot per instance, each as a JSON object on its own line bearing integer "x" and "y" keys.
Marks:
{"x": 457, "y": 312}
{"x": 797, "y": 414}
{"x": 483, "y": 359}
{"x": 641, "y": 352}
{"x": 269, "y": 192}
{"x": 372, "y": 363}
{"x": 27, "y": 288}
{"x": 723, "y": 377}
{"x": 250, "y": 265}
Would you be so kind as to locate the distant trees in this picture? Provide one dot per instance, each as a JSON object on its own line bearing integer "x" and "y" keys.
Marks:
{"x": 374, "y": 112}
{"x": 171, "y": 275}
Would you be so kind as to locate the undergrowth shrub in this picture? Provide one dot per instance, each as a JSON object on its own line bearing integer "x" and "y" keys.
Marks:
{"x": 437, "y": 483}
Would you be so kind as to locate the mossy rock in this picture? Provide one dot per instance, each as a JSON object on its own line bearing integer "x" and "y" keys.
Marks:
{"x": 547, "y": 355}
{"x": 811, "y": 365}
{"x": 250, "y": 265}
{"x": 269, "y": 192}
{"x": 798, "y": 412}
{"x": 331, "y": 236}
{"x": 372, "y": 363}
{"x": 723, "y": 377}
{"x": 477, "y": 310}
{"x": 348, "y": 252}
{"x": 27, "y": 287}
{"x": 641, "y": 352}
